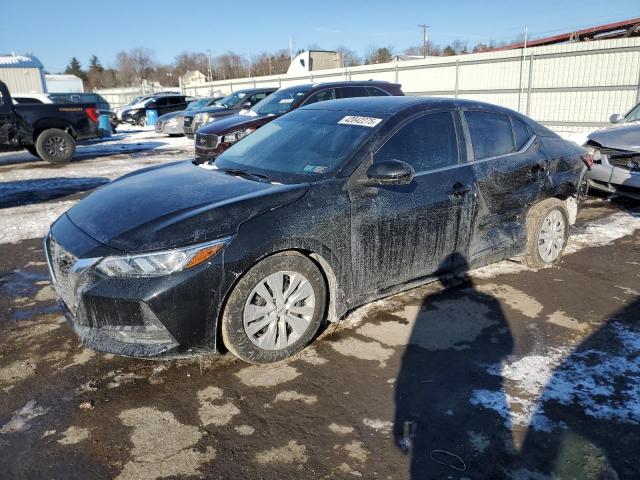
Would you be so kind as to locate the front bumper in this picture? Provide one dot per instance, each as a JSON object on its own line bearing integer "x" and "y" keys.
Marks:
{"x": 170, "y": 128}
{"x": 138, "y": 317}
{"x": 612, "y": 178}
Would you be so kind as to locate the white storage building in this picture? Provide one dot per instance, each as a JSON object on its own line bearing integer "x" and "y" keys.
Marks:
{"x": 22, "y": 74}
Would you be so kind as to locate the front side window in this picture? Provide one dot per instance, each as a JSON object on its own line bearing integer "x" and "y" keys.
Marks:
{"x": 426, "y": 143}
{"x": 256, "y": 97}
{"x": 633, "y": 115}
{"x": 491, "y": 134}
{"x": 233, "y": 99}
{"x": 321, "y": 96}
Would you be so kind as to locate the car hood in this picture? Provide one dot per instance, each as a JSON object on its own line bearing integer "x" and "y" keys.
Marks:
{"x": 235, "y": 122}
{"x": 624, "y": 136}
{"x": 175, "y": 205}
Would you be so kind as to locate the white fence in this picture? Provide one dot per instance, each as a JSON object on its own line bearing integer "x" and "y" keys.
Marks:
{"x": 569, "y": 87}
{"x": 122, "y": 96}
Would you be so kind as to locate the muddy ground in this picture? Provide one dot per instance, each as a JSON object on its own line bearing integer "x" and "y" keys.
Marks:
{"x": 510, "y": 373}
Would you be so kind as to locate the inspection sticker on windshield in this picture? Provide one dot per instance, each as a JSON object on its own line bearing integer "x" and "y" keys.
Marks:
{"x": 315, "y": 169}
{"x": 286, "y": 100}
{"x": 361, "y": 121}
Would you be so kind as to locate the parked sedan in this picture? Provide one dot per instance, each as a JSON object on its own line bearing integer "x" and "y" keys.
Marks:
{"x": 229, "y": 105}
{"x": 326, "y": 208}
{"x": 211, "y": 140}
{"x": 616, "y": 153}
{"x": 172, "y": 124}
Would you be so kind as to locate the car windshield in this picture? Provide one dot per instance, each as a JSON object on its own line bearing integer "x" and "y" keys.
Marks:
{"x": 198, "y": 104}
{"x": 305, "y": 145}
{"x": 281, "y": 101}
{"x": 231, "y": 100}
{"x": 633, "y": 115}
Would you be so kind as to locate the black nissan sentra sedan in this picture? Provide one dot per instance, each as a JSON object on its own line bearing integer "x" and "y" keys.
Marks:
{"x": 322, "y": 210}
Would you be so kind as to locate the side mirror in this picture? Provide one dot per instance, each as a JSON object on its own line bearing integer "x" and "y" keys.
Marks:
{"x": 390, "y": 172}
{"x": 152, "y": 106}
{"x": 615, "y": 118}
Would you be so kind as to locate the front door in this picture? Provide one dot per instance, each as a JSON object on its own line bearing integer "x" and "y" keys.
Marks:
{"x": 7, "y": 128}
{"x": 401, "y": 233}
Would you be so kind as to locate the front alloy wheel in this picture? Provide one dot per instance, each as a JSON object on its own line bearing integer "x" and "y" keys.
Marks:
{"x": 275, "y": 309}
{"x": 279, "y": 310}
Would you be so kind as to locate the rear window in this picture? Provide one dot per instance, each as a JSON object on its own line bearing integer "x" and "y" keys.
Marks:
{"x": 491, "y": 134}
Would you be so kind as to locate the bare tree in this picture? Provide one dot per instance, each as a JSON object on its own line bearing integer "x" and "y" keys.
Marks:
{"x": 231, "y": 65}
{"x": 187, "y": 61}
{"x": 349, "y": 57}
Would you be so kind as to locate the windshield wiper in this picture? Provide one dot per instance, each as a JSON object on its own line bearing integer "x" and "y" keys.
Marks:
{"x": 244, "y": 173}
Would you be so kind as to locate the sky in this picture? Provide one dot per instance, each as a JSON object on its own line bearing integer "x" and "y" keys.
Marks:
{"x": 54, "y": 31}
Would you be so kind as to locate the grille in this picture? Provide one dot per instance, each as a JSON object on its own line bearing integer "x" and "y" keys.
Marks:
{"x": 62, "y": 264}
{"x": 187, "y": 121}
{"x": 206, "y": 141}
{"x": 623, "y": 158}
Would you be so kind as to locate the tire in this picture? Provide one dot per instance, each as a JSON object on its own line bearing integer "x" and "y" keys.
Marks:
{"x": 55, "y": 146}
{"x": 141, "y": 121}
{"x": 32, "y": 150}
{"x": 547, "y": 233}
{"x": 268, "y": 345}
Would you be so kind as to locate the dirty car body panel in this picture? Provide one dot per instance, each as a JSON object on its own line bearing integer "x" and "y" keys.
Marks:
{"x": 368, "y": 240}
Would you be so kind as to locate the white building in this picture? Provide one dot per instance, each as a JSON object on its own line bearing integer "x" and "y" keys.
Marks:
{"x": 22, "y": 74}
{"x": 64, "y": 83}
{"x": 192, "y": 76}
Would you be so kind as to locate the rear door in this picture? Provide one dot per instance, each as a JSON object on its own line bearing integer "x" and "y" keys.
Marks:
{"x": 404, "y": 232}
{"x": 511, "y": 170}
{"x": 162, "y": 105}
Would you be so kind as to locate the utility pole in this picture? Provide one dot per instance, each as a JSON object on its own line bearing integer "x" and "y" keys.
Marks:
{"x": 425, "y": 40}
{"x": 209, "y": 64}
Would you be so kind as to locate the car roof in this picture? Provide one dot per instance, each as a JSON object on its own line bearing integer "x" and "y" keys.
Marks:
{"x": 393, "y": 104}
{"x": 252, "y": 90}
{"x": 345, "y": 83}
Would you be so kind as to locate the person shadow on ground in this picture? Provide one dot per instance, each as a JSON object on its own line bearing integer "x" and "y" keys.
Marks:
{"x": 458, "y": 333}
{"x": 587, "y": 421}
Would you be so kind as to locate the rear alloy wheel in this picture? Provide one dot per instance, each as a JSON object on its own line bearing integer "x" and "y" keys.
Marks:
{"x": 547, "y": 233}
{"x": 55, "y": 146}
{"x": 275, "y": 309}
{"x": 142, "y": 121}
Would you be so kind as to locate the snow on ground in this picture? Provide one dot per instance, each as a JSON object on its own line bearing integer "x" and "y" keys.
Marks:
{"x": 130, "y": 150}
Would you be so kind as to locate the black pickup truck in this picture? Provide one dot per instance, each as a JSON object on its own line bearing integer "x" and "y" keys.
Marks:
{"x": 48, "y": 131}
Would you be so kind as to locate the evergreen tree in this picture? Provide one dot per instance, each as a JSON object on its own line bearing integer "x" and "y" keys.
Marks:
{"x": 94, "y": 64}
{"x": 74, "y": 68}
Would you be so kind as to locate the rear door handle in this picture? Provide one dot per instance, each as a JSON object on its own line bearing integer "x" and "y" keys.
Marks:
{"x": 458, "y": 190}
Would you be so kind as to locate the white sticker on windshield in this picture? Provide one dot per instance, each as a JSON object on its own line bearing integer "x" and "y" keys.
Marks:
{"x": 360, "y": 121}
{"x": 286, "y": 100}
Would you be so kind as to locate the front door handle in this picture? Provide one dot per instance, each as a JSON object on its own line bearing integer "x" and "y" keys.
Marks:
{"x": 459, "y": 190}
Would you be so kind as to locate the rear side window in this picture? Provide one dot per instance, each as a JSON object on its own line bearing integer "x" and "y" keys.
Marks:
{"x": 350, "y": 92}
{"x": 161, "y": 102}
{"x": 426, "y": 143}
{"x": 491, "y": 134}
{"x": 376, "y": 92}
{"x": 321, "y": 96}
{"x": 521, "y": 133}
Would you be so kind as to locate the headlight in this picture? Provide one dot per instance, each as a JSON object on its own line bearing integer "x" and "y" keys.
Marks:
{"x": 161, "y": 263}
{"x": 595, "y": 153}
{"x": 237, "y": 135}
{"x": 201, "y": 118}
